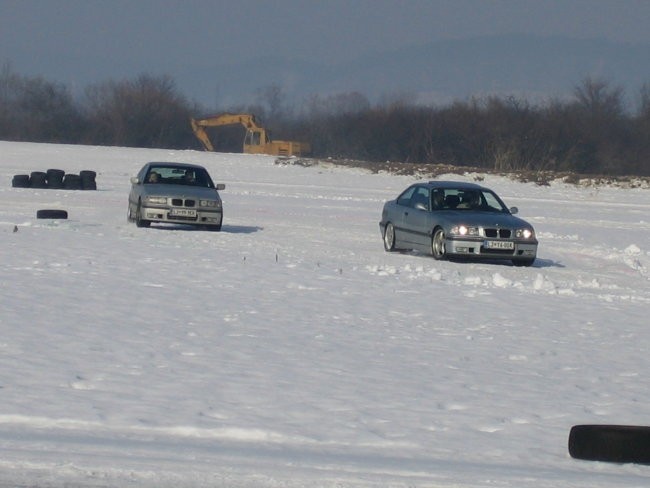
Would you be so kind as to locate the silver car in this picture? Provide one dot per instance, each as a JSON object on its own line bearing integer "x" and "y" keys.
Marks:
{"x": 454, "y": 219}
{"x": 175, "y": 193}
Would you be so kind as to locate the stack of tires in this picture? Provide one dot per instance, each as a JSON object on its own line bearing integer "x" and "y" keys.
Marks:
{"x": 87, "y": 178}
{"x": 56, "y": 179}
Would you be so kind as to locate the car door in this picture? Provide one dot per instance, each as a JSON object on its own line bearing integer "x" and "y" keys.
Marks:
{"x": 415, "y": 214}
{"x": 397, "y": 210}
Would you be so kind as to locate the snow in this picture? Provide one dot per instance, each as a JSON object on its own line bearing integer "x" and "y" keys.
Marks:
{"x": 291, "y": 350}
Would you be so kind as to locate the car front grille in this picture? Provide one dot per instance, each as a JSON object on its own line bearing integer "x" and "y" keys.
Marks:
{"x": 498, "y": 233}
{"x": 179, "y": 202}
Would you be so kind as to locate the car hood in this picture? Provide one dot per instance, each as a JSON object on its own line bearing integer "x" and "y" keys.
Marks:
{"x": 485, "y": 219}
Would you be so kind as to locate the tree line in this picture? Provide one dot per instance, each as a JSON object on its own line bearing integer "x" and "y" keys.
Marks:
{"x": 589, "y": 132}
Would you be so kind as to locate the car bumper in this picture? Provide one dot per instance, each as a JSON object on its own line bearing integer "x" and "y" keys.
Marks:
{"x": 479, "y": 248}
{"x": 193, "y": 217}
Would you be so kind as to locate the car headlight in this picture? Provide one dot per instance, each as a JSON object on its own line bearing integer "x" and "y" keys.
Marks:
{"x": 156, "y": 200}
{"x": 524, "y": 234}
{"x": 464, "y": 230}
{"x": 209, "y": 203}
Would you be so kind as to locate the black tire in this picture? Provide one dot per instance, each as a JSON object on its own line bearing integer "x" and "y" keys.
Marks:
{"x": 51, "y": 214}
{"x": 55, "y": 178}
{"x": 139, "y": 221}
{"x": 438, "y": 249}
{"x": 389, "y": 237}
{"x": 38, "y": 179}
{"x": 88, "y": 185}
{"x": 523, "y": 262}
{"x": 88, "y": 180}
{"x": 610, "y": 443}
{"x": 20, "y": 181}
{"x": 72, "y": 182}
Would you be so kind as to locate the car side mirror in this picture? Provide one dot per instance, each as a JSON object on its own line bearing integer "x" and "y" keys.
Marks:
{"x": 135, "y": 180}
{"x": 421, "y": 206}
{"x": 221, "y": 186}
{"x": 514, "y": 210}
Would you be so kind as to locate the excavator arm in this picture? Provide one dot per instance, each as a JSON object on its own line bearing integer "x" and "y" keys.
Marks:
{"x": 201, "y": 134}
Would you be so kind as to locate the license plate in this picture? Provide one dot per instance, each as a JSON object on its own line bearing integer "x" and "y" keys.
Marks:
{"x": 499, "y": 245}
{"x": 182, "y": 212}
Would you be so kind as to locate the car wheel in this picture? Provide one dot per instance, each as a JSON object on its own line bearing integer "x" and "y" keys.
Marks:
{"x": 523, "y": 262}
{"x": 139, "y": 221}
{"x": 438, "y": 244}
{"x": 389, "y": 237}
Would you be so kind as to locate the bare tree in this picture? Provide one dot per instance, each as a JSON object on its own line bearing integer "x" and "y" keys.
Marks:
{"x": 145, "y": 112}
{"x": 598, "y": 99}
{"x": 34, "y": 109}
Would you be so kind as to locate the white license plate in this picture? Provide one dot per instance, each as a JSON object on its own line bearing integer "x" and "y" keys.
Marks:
{"x": 182, "y": 212}
{"x": 499, "y": 245}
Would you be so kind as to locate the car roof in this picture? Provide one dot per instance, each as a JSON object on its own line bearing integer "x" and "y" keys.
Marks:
{"x": 443, "y": 184}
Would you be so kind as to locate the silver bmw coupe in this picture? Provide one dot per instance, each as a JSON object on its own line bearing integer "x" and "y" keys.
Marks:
{"x": 449, "y": 219}
{"x": 175, "y": 193}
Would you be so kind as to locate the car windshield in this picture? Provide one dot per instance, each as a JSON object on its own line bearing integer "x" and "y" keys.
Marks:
{"x": 178, "y": 175}
{"x": 480, "y": 200}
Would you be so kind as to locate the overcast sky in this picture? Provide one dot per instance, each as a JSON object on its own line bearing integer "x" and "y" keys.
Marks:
{"x": 77, "y": 41}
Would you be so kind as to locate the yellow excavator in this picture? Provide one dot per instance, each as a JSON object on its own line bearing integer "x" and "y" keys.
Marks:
{"x": 256, "y": 140}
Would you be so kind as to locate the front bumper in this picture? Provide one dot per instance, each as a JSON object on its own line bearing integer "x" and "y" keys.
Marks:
{"x": 173, "y": 215}
{"x": 479, "y": 248}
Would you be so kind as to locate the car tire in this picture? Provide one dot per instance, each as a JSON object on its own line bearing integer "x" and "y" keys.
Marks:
{"x": 38, "y": 179}
{"x": 438, "y": 249}
{"x": 389, "y": 237}
{"x": 51, "y": 214}
{"x": 87, "y": 178}
{"x": 72, "y": 182}
{"x": 139, "y": 221}
{"x": 55, "y": 178}
{"x": 523, "y": 262}
{"x": 20, "y": 181}
{"x": 610, "y": 443}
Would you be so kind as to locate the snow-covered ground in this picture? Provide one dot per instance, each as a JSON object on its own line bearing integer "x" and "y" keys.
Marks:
{"x": 290, "y": 350}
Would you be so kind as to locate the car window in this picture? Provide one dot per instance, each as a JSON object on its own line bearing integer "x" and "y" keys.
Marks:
{"x": 438, "y": 199}
{"x": 177, "y": 175}
{"x": 492, "y": 202}
{"x": 420, "y": 198}
{"x": 153, "y": 177}
{"x": 405, "y": 198}
{"x": 203, "y": 178}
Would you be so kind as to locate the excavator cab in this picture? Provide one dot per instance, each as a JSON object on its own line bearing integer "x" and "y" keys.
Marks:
{"x": 253, "y": 138}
